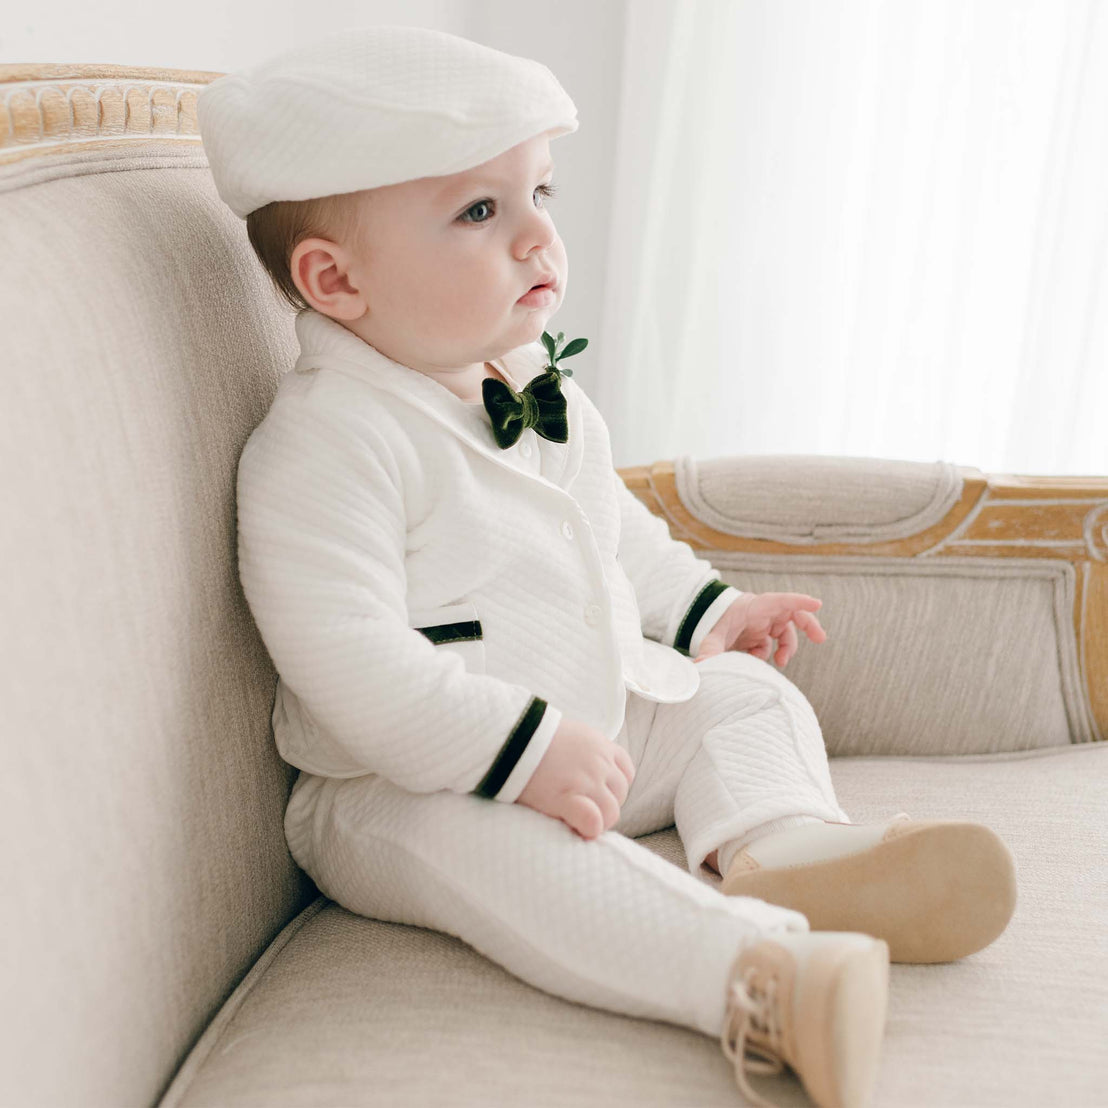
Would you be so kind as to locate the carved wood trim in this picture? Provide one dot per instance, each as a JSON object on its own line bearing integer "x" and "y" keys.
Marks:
{"x": 46, "y": 109}
{"x": 997, "y": 516}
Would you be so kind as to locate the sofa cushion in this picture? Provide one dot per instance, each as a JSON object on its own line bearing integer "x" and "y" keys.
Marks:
{"x": 343, "y": 1010}
{"x": 142, "y": 798}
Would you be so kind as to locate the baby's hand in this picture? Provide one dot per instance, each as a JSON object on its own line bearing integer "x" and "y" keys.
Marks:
{"x": 583, "y": 779}
{"x": 754, "y": 620}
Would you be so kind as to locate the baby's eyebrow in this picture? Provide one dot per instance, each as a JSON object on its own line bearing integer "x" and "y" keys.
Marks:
{"x": 479, "y": 182}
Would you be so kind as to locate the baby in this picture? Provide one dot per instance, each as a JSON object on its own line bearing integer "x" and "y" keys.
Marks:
{"x": 496, "y": 666}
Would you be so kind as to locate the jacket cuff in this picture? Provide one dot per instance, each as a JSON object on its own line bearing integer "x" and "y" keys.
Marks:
{"x": 702, "y": 614}
{"x": 711, "y": 617}
{"x": 521, "y": 753}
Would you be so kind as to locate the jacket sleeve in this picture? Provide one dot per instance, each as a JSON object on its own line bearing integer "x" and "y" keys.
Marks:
{"x": 680, "y": 596}
{"x": 321, "y": 555}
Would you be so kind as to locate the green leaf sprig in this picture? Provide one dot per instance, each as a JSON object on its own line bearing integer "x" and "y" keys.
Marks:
{"x": 575, "y": 346}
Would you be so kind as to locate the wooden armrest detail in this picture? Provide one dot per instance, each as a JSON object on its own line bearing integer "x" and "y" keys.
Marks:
{"x": 998, "y": 516}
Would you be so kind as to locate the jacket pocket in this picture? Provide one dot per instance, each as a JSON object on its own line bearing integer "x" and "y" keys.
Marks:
{"x": 453, "y": 627}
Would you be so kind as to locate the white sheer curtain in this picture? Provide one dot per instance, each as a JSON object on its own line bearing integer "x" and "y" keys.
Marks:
{"x": 861, "y": 228}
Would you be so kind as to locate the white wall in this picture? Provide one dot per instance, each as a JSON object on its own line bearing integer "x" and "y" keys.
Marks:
{"x": 204, "y": 35}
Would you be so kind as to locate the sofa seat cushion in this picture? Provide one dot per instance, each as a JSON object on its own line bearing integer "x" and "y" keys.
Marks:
{"x": 343, "y": 1010}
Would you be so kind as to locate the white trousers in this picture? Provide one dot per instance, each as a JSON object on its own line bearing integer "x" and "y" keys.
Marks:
{"x": 604, "y": 922}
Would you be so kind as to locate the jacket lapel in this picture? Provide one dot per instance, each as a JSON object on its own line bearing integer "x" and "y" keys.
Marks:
{"x": 326, "y": 342}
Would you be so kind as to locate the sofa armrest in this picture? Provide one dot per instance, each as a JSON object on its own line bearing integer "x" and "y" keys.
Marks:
{"x": 966, "y": 613}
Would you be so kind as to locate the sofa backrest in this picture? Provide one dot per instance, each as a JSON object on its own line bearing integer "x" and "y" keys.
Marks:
{"x": 146, "y": 866}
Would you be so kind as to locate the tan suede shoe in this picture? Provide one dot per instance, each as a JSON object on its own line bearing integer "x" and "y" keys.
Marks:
{"x": 815, "y": 1001}
{"x": 934, "y": 890}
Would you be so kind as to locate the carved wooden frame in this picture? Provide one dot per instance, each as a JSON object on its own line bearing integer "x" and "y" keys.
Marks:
{"x": 997, "y": 516}
{"x": 48, "y": 108}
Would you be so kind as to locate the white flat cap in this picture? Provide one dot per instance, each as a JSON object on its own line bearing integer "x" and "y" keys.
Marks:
{"x": 371, "y": 106}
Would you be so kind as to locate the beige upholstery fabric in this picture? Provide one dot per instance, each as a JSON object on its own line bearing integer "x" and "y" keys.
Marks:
{"x": 145, "y": 864}
{"x": 940, "y": 656}
{"x": 351, "y": 1011}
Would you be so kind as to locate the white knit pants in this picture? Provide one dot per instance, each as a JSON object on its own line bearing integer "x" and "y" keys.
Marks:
{"x": 604, "y": 922}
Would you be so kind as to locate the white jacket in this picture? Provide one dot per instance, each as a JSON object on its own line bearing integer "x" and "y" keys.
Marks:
{"x": 434, "y": 604}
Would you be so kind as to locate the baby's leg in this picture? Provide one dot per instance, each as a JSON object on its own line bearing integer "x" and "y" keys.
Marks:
{"x": 603, "y": 922}
{"x": 745, "y": 751}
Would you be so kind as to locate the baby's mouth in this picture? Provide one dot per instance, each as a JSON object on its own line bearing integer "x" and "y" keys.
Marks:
{"x": 533, "y": 296}
{"x": 549, "y": 283}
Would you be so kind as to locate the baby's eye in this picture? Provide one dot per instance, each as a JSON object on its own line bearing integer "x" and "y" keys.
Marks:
{"x": 475, "y": 207}
{"x": 546, "y": 190}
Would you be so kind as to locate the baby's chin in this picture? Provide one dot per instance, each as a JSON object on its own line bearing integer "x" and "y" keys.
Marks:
{"x": 522, "y": 330}
{"x": 539, "y": 321}
{"x": 533, "y": 332}
{"x": 521, "y": 334}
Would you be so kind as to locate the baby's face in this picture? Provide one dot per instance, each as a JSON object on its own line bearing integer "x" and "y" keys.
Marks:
{"x": 436, "y": 279}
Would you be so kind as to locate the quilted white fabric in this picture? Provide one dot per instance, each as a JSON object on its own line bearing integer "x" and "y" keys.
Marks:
{"x": 364, "y": 107}
{"x": 603, "y": 922}
{"x": 373, "y": 502}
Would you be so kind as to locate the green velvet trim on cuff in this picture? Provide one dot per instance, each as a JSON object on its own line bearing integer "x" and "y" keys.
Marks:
{"x": 699, "y": 606}
{"x": 513, "y": 749}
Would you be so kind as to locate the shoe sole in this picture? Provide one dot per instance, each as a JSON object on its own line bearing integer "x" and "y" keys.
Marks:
{"x": 839, "y": 1011}
{"x": 934, "y": 893}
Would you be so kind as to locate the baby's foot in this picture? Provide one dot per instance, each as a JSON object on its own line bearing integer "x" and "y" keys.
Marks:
{"x": 814, "y": 1001}
{"x": 934, "y": 890}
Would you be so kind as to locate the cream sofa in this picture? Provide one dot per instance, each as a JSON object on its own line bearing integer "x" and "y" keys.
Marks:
{"x": 162, "y": 947}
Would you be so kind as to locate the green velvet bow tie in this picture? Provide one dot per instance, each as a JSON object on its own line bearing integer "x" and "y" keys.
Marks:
{"x": 541, "y": 405}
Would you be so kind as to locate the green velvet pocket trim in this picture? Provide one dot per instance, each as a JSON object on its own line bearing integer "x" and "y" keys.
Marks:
{"x": 466, "y": 631}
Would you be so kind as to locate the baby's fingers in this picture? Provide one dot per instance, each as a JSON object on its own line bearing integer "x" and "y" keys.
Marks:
{"x": 787, "y": 647}
{"x": 799, "y": 600}
{"x": 618, "y": 786}
{"x": 623, "y": 760}
{"x": 811, "y": 626}
{"x": 583, "y": 814}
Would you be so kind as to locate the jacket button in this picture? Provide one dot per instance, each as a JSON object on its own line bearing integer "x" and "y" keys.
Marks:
{"x": 525, "y": 449}
{"x": 592, "y": 614}
{"x": 567, "y": 529}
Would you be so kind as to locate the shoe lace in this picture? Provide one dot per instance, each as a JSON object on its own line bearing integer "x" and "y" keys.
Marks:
{"x": 752, "y": 1006}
